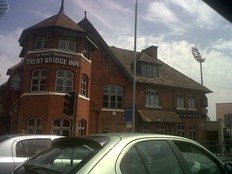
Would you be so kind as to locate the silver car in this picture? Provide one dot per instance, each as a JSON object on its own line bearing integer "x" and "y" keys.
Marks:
{"x": 124, "y": 154}
{"x": 15, "y": 149}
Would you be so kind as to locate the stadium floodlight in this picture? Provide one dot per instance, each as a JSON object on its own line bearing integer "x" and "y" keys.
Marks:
{"x": 196, "y": 54}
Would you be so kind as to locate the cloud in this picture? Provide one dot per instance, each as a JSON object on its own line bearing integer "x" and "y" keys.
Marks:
{"x": 41, "y": 14}
{"x": 9, "y": 52}
{"x": 159, "y": 12}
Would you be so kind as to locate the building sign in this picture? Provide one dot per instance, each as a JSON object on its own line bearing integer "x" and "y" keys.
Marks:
{"x": 53, "y": 58}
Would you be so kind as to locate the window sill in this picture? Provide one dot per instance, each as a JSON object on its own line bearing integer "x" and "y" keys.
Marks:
{"x": 112, "y": 109}
{"x": 158, "y": 107}
{"x": 83, "y": 97}
{"x": 190, "y": 109}
{"x": 181, "y": 108}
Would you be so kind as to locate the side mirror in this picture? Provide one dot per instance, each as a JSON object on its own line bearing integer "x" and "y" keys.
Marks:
{"x": 228, "y": 167}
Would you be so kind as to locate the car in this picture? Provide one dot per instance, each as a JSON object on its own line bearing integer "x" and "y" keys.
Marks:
{"x": 124, "y": 153}
{"x": 16, "y": 148}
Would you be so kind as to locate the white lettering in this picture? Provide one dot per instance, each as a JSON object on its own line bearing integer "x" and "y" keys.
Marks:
{"x": 52, "y": 60}
{"x": 73, "y": 63}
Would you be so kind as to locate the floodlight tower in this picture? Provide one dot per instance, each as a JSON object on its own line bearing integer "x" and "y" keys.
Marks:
{"x": 196, "y": 54}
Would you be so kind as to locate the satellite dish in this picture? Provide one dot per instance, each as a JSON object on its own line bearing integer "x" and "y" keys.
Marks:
{"x": 4, "y": 7}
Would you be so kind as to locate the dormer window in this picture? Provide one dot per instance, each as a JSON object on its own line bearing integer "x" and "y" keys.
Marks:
{"x": 42, "y": 41}
{"x": 67, "y": 43}
{"x": 149, "y": 70}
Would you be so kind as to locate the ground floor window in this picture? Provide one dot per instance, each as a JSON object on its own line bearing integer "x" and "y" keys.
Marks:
{"x": 193, "y": 132}
{"x": 34, "y": 126}
{"x": 105, "y": 131}
{"x": 160, "y": 129}
{"x": 82, "y": 127}
{"x": 119, "y": 131}
{"x": 146, "y": 128}
{"x": 61, "y": 127}
{"x": 181, "y": 130}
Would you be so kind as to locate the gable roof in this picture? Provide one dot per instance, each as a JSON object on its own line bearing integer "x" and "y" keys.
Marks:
{"x": 90, "y": 29}
{"x": 168, "y": 76}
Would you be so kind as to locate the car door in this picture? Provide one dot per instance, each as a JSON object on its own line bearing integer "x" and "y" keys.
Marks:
{"x": 199, "y": 160}
{"x": 151, "y": 156}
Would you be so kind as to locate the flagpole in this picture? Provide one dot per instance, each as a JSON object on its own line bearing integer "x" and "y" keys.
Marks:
{"x": 134, "y": 73}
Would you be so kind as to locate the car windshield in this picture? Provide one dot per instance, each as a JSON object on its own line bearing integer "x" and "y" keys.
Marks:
{"x": 61, "y": 159}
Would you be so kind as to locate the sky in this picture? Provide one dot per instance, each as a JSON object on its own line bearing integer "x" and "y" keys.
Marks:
{"x": 174, "y": 26}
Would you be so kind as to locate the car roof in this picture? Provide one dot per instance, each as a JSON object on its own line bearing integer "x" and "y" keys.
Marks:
{"x": 103, "y": 139}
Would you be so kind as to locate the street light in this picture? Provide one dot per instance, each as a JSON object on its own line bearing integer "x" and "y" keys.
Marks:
{"x": 134, "y": 73}
{"x": 196, "y": 54}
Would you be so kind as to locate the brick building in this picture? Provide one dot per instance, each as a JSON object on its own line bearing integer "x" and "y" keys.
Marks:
{"x": 59, "y": 56}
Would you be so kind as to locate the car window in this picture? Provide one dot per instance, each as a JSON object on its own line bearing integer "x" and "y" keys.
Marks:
{"x": 29, "y": 147}
{"x": 150, "y": 157}
{"x": 199, "y": 161}
{"x": 60, "y": 159}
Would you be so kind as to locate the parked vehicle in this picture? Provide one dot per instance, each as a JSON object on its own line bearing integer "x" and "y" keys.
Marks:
{"x": 124, "y": 154}
{"x": 15, "y": 149}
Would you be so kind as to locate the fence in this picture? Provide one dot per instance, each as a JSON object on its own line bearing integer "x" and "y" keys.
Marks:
{"x": 222, "y": 151}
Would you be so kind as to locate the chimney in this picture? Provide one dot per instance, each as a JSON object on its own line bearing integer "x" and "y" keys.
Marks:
{"x": 151, "y": 51}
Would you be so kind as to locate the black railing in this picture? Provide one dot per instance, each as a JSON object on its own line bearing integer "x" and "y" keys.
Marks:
{"x": 222, "y": 151}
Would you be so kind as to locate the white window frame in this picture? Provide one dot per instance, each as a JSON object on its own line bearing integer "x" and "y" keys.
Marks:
{"x": 38, "y": 80}
{"x": 82, "y": 127}
{"x": 181, "y": 130}
{"x": 160, "y": 129}
{"x": 180, "y": 101}
{"x": 42, "y": 40}
{"x": 64, "y": 82}
{"x": 67, "y": 43}
{"x": 192, "y": 101}
{"x": 149, "y": 70}
{"x": 113, "y": 96}
{"x": 152, "y": 98}
{"x": 34, "y": 126}
{"x": 84, "y": 85}
{"x": 61, "y": 128}
{"x": 193, "y": 132}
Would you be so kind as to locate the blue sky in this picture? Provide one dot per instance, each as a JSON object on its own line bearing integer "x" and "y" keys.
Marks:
{"x": 172, "y": 25}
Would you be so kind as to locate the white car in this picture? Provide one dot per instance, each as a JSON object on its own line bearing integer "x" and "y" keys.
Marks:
{"x": 124, "y": 154}
{"x": 15, "y": 149}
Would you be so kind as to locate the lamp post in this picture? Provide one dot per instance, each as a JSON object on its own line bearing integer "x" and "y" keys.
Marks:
{"x": 134, "y": 73}
{"x": 196, "y": 54}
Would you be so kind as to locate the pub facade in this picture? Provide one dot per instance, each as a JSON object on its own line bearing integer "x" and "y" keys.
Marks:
{"x": 60, "y": 56}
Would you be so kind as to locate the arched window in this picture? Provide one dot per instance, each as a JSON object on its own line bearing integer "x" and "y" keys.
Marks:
{"x": 64, "y": 80}
{"x": 113, "y": 96}
{"x": 84, "y": 86}
{"x": 82, "y": 127}
{"x": 152, "y": 97}
{"x": 61, "y": 127}
{"x": 38, "y": 80}
{"x": 34, "y": 126}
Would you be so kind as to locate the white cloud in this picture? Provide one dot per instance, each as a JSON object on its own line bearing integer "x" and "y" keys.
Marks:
{"x": 158, "y": 11}
{"x": 9, "y": 52}
{"x": 41, "y": 14}
{"x": 200, "y": 13}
